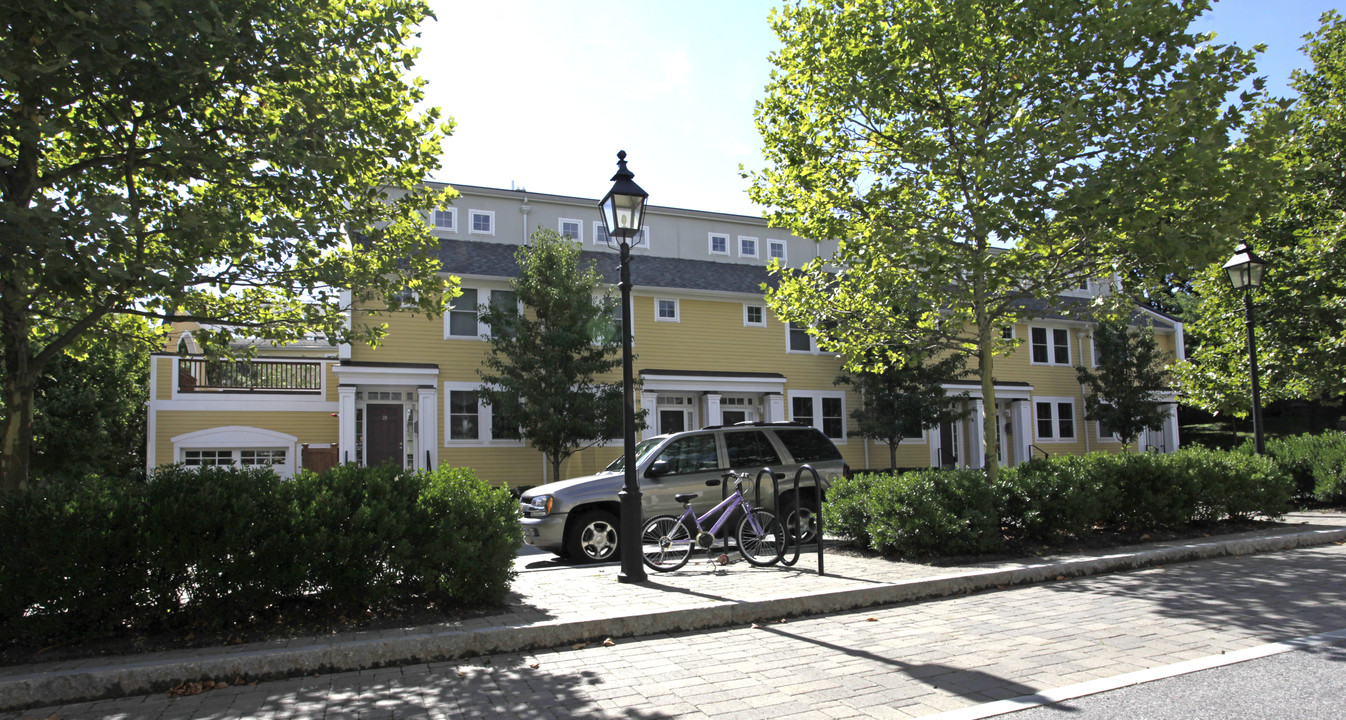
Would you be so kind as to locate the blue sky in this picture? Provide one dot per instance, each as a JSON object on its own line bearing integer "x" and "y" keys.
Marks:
{"x": 545, "y": 93}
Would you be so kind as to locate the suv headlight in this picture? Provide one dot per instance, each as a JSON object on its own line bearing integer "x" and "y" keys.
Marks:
{"x": 539, "y": 506}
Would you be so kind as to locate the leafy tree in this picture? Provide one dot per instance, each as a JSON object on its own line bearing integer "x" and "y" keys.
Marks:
{"x": 903, "y": 399}
{"x": 542, "y": 371}
{"x": 980, "y": 157}
{"x": 1301, "y": 308}
{"x": 208, "y": 161}
{"x": 1130, "y": 369}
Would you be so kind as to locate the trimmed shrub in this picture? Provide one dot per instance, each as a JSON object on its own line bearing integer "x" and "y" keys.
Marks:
{"x": 1230, "y": 485}
{"x": 1042, "y": 499}
{"x": 846, "y": 512}
{"x": 465, "y": 540}
{"x": 1316, "y": 464}
{"x": 945, "y": 512}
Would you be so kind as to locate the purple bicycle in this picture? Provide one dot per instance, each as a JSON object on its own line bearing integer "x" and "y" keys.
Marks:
{"x": 667, "y": 541}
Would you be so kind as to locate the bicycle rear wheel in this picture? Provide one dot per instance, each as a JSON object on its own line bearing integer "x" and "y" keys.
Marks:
{"x": 665, "y": 543}
{"x": 764, "y": 544}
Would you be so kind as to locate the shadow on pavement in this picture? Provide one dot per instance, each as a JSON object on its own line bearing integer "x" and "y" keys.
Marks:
{"x": 1277, "y": 595}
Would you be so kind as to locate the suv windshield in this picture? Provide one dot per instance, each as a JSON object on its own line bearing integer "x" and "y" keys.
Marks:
{"x": 643, "y": 448}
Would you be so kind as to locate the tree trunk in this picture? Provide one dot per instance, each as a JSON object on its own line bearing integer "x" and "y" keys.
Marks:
{"x": 555, "y": 468}
{"x": 892, "y": 457}
{"x": 18, "y": 439}
{"x": 990, "y": 443}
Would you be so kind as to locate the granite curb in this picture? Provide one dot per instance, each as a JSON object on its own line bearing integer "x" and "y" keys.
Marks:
{"x": 132, "y": 676}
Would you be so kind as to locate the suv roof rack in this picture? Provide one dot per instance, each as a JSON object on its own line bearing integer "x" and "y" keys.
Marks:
{"x": 759, "y": 423}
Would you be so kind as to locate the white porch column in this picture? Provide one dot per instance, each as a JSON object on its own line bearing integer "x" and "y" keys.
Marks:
{"x": 1171, "y": 428}
{"x": 773, "y": 405}
{"x": 427, "y": 410}
{"x": 710, "y": 409}
{"x": 346, "y": 423}
{"x": 1022, "y": 417}
{"x": 976, "y": 455}
{"x": 935, "y": 439}
{"x": 649, "y": 401}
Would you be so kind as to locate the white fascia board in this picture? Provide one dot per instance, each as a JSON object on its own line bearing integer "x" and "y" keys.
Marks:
{"x": 686, "y": 383}
{"x": 348, "y": 375}
{"x": 1002, "y": 392}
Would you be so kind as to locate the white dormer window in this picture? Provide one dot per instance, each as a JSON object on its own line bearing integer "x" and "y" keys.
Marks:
{"x": 719, "y": 244}
{"x": 600, "y": 233}
{"x": 571, "y": 229}
{"x": 747, "y": 246}
{"x": 775, "y": 250}
{"x": 483, "y": 222}
{"x": 446, "y": 220}
{"x": 666, "y": 310}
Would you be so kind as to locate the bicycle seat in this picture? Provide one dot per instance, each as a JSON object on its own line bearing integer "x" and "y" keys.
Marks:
{"x": 684, "y": 497}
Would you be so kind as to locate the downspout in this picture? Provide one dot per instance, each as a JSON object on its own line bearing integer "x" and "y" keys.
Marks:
{"x": 1082, "y": 391}
{"x": 524, "y": 208}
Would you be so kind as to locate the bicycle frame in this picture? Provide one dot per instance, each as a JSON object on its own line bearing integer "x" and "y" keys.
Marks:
{"x": 725, "y": 507}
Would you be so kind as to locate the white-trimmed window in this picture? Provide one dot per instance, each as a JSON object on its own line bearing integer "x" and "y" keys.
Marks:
{"x": 775, "y": 250}
{"x": 482, "y": 222}
{"x": 642, "y": 240}
{"x": 506, "y": 300}
{"x": 271, "y": 456}
{"x": 446, "y": 220}
{"x": 600, "y": 233}
{"x": 1049, "y": 345}
{"x": 754, "y": 315}
{"x": 719, "y": 244}
{"x": 1106, "y": 433}
{"x": 468, "y": 421}
{"x": 666, "y": 310}
{"x": 822, "y": 409}
{"x": 747, "y": 246}
{"x": 1054, "y": 419}
{"x": 461, "y": 319}
{"x": 570, "y": 228}
{"x": 1007, "y": 332}
{"x": 798, "y": 339}
{"x": 204, "y": 458}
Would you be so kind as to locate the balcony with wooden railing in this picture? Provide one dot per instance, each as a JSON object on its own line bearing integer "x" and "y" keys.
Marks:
{"x": 200, "y": 375}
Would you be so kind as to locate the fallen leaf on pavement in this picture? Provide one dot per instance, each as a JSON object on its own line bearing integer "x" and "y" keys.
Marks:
{"x": 1060, "y": 577}
{"x": 608, "y": 643}
{"x": 871, "y": 619}
{"x": 534, "y": 665}
{"x": 579, "y": 646}
{"x": 755, "y": 626}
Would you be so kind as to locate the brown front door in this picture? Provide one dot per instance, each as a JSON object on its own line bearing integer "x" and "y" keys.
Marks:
{"x": 383, "y": 428}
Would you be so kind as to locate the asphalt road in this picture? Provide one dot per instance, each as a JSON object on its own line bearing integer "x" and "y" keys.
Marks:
{"x": 1308, "y": 684}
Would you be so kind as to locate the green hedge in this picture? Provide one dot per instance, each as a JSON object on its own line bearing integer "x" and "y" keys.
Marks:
{"x": 213, "y": 546}
{"x": 956, "y": 512}
{"x": 1317, "y": 464}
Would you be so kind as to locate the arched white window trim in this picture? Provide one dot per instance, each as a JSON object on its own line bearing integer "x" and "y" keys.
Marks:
{"x": 240, "y": 437}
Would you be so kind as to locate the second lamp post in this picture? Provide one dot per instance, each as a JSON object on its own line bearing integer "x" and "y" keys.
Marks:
{"x": 623, "y": 210}
{"x": 1245, "y": 274}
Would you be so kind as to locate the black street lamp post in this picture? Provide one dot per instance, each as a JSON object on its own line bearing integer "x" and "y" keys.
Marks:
{"x": 623, "y": 210}
{"x": 1245, "y": 273}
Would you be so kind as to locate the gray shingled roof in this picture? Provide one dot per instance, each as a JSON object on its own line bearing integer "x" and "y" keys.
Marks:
{"x": 497, "y": 260}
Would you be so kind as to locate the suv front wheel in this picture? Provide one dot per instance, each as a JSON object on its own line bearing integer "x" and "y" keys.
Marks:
{"x": 592, "y": 537}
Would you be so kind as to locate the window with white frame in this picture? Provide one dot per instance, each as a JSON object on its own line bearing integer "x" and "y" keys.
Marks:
{"x": 775, "y": 250}
{"x": 464, "y": 415}
{"x": 203, "y": 458}
{"x": 461, "y": 319}
{"x": 1054, "y": 419}
{"x": 1049, "y": 345}
{"x": 824, "y": 409}
{"x": 469, "y": 421}
{"x": 446, "y": 220}
{"x": 600, "y": 233}
{"x": 1107, "y": 433}
{"x": 719, "y": 244}
{"x": 505, "y": 300}
{"x": 1007, "y": 332}
{"x": 570, "y": 229}
{"x": 747, "y": 246}
{"x": 754, "y": 315}
{"x": 666, "y": 310}
{"x": 642, "y": 239}
{"x": 272, "y": 456}
{"x": 799, "y": 338}
{"x": 482, "y": 222}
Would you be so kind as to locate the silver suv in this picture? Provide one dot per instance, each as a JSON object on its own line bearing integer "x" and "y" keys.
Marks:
{"x": 578, "y": 518}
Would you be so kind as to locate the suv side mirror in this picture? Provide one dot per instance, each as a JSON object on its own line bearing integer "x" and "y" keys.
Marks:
{"x": 657, "y": 469}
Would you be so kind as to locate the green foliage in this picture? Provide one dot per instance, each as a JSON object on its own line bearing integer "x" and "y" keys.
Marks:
{"x": 89, "y": 405}
{"x": 545, "y": 364}
{"x": 1301, "y": 309}
{"x": 1044, "y": 498}
{"x": 216, "y": 546}
{"x": 1315, "y": 463}
{"x": 982, "y": 157}
{"x": 233, "y": 162}
{"x": 945, "y": 512}
{"x": 956, "y": 512}
{"x": 1129, "y": 371}
{"x": 902, "y": 399}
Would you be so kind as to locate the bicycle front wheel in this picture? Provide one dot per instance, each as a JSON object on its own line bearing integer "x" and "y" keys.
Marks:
{"x": 665, "y": 543}
{"x": 761, "y": 539}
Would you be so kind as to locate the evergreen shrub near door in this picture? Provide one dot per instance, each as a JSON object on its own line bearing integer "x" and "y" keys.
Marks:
{"x": 955, "y": 512}
{"x": 219, "y": 546}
